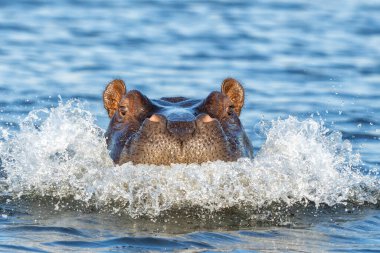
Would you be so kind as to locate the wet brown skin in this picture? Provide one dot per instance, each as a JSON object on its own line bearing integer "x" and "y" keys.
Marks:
{"x": 175, "y": 129}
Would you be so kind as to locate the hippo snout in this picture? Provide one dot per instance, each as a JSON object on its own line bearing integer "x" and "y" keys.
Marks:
{"x": 182, "y": 127}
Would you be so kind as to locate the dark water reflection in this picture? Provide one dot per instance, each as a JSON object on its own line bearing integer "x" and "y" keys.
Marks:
{"x": 307, "y": 59}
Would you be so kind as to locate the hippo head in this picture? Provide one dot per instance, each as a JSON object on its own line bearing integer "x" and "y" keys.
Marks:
{"x": 175, "y": 129}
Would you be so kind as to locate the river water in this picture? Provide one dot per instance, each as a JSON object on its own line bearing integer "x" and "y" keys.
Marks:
{"x": 311, "y": 70}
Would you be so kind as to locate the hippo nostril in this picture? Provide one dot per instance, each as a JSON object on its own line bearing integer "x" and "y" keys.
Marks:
{"x": 155, "y": 118}
{"x": 205, "y": 118}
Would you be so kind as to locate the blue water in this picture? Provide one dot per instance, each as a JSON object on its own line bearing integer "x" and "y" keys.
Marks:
{"x": 311, "y": 70}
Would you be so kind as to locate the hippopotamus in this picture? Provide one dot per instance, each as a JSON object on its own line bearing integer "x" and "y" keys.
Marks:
{"x": 173, "y": 130}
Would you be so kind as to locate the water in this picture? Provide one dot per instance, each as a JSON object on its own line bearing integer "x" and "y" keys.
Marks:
{"x": 311, "y": 72}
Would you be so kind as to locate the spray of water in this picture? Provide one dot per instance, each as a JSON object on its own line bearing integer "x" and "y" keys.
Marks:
{"x": 60, "y": 152}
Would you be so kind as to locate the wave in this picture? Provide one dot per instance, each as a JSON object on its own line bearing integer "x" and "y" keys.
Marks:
{"x": 61, "y": 153}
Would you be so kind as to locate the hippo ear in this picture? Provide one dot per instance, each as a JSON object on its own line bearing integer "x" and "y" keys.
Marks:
{"x": 112, "y": 95}
{"x": 235, "y": 91}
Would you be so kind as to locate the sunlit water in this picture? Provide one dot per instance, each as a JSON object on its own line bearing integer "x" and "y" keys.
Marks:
{"x": 311, "y": 73}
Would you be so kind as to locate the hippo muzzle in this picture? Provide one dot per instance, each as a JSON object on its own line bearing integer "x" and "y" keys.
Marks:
{"x": 175, "y": 129}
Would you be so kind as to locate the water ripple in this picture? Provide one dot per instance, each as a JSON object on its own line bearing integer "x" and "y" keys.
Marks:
{"x": 147, "y": 243}
{"x": 44, "y": 229}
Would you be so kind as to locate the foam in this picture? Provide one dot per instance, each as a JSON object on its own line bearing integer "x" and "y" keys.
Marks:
{"x": 60, "y": 152}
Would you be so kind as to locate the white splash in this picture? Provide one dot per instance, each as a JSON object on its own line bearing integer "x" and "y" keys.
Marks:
{"x": 61, "y": 152}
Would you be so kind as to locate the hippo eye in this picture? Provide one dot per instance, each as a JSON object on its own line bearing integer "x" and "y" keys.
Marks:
{"x": 123, "y": 111}
{"x": 230, "y": 110}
